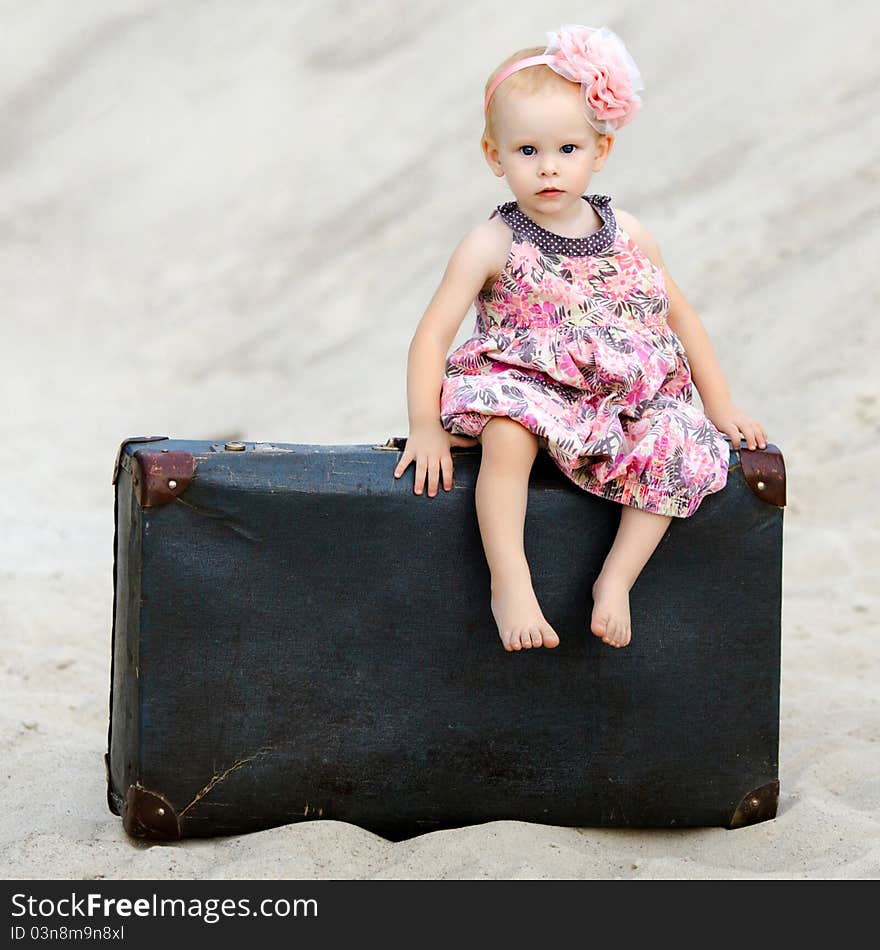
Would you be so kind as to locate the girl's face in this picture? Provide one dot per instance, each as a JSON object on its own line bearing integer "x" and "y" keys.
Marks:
{"x": 545, "y": 141}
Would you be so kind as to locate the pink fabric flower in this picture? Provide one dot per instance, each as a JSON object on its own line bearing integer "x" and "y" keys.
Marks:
{"x": 609, "y": 77}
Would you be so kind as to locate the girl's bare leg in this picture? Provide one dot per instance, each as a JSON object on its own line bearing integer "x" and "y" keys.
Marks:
{"x": 508, "y": 452}
{"x": 637, "y": 537}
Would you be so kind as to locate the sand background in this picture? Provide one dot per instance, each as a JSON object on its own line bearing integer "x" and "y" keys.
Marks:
{"x": 224, "y": 220}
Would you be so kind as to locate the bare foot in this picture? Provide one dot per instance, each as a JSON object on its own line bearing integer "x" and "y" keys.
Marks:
{"x": 610, "y": 621}
{"x": 521, "y": 623}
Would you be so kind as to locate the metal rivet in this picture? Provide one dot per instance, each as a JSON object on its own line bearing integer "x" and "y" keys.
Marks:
{"x": 756, "y": 802}
{"x": 172, "y": 484}
{"x": 160, "y": 811}
{"x": 760, "y": 486}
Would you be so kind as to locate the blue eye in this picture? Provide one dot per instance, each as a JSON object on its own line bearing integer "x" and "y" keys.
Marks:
{"x": 533, "y": 149}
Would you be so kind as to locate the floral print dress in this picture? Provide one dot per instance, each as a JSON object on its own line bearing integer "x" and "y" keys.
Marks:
{"x": 573, "y": 343}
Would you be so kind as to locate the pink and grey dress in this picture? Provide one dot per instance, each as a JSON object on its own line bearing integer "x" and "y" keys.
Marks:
{"x": 572, "y": 342}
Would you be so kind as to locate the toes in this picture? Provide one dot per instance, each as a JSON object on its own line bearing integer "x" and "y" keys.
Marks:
{"x": 614, "y": 633}
{"x": 622, "y": 636}
{"x": 530, "y": 638}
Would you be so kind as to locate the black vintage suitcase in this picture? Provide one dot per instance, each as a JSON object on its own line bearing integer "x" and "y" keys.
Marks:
{"x": 296, "y": 635}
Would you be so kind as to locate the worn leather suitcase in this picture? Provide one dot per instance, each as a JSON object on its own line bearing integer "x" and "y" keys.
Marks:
{"x": 296, "y": 635}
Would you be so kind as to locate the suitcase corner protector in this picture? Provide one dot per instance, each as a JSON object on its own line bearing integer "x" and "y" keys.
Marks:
{"x": 757, "y": 805}
{"x": 124, "y": 442}
{"x": 160, "y": 477}
{"x": 148, "y": 814}
{"x": 764, "y": 472}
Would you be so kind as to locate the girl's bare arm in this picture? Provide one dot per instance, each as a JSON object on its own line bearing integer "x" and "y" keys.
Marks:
{"x": 428, "y": 443}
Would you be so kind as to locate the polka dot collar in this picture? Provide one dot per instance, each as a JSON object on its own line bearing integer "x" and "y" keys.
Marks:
{"x": 553, "y": 243}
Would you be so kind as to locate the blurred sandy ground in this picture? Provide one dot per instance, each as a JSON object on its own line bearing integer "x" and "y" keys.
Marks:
{"x": 220, "y": 218}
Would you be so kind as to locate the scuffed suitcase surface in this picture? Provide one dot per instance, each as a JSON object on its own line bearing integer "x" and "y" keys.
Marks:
{"x": 297, "y": 636}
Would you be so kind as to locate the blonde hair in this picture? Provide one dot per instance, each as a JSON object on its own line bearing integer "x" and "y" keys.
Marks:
{"x": 535, "y": 79}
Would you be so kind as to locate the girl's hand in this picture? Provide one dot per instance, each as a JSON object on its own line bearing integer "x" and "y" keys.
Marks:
{"x": 428, "y": 447}
{"x": 730, "y": 419}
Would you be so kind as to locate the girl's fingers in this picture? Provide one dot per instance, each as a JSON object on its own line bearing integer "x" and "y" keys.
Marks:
{"x": 446, "y": 465}
{"x": 428, "y": 470}
{"x": 421, "y": 467}
{"x": 757, "y": 437}
{"x": 403, "y": 464}
{"x": 433, "y": 477}
{"x": 754, "y": 434}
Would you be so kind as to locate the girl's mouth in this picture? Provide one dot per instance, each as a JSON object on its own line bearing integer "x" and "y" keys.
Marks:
{"x": 549, "y": 192}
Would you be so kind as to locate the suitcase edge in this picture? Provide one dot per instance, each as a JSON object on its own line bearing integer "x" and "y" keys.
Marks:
{"x": 121, "y": 615}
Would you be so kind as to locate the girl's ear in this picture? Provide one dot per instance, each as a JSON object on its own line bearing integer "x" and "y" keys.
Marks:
{"x": 490, "y": 153}
{"x": 603, "y": 149}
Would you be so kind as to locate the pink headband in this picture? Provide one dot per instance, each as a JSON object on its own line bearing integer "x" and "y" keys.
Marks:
{"x": 598, "y": 60}
{"x": 512, "y": 68}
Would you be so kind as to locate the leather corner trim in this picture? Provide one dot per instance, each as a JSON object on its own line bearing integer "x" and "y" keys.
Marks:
{"x": 159, "y": 477}
{"x": 148, "y": 815}
{"x": 764, "y": 471}
{"x": 760, "y": 804}
{"x": 134, "y": 438}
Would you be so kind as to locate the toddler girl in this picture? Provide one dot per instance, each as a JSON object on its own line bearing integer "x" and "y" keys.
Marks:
{"x": 583, "y": 344}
